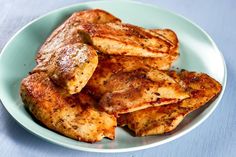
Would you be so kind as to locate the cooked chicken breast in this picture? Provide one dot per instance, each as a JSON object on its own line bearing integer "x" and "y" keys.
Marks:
{"x": 71, "y": 66}
{"x": 126, "y": 85}
{"x": 68, "y": 62}
{"x": 69, "y": 32}
{"x": 76, "y": 116}
{"x": 162, "y": 119}
{"x": 132, "y": 91}
{"x": 111, "y": 66}
{"x": 126, "y": 39}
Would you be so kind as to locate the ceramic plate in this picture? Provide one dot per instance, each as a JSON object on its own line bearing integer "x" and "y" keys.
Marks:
{"x": 198, "y": 53}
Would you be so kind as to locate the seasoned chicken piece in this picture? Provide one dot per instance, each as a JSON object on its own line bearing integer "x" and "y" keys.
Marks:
{"x": 126, "y": 39}
{"x": 127, "y": 85}
{"x": 76, "y": 116}
{"x": 71, "y": 66}
{"x": 69, "y": 32}
{"x": 162, "y": 119}
{"x": 132, "y": 91}
{"x": 68, "y": 62}
{"x": 110, "y": 66}
{"x": 125, "y": 88}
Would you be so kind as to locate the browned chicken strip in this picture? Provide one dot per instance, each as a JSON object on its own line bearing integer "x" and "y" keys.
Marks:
{"x": 139, "y": 89}
{"x": 69, "y": 32}
{"x": 126, "y": 39}
{"x": 162, "y": 119}
{"x": 68, "y": 62}
{"x": 76, "y": 116}
{"x": 111, "y": 66}
{"x": 127, "y": 86}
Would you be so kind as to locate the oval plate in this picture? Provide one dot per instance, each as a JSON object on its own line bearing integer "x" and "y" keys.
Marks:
{"x": 198, "y": 53}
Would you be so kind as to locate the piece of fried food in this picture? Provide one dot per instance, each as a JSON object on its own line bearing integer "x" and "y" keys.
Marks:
{"x": 76, "y": 116}
{"x": 113, "y": 72}
{"x": 71, "y": 66}
{"x": 69, "y": 32}
{"x": 68, "y": 62}
{"x": 124, "y": 92}
{"x": 110, "y": 65}
{"x": 127, "y": 39}
{"x": 162, "y": 119}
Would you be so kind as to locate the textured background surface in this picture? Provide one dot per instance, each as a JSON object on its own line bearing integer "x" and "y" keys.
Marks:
{"x": 215, "y": 137}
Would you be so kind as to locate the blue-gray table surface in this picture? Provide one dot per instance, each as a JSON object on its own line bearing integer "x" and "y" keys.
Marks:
{"x": 215, "y": 137}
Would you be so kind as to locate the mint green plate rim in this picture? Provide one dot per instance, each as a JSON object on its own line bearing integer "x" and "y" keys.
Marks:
{"x": 114, "y": 150}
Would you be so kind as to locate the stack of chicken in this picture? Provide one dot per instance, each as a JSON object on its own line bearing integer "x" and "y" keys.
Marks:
{"x": 95, "y": 72}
